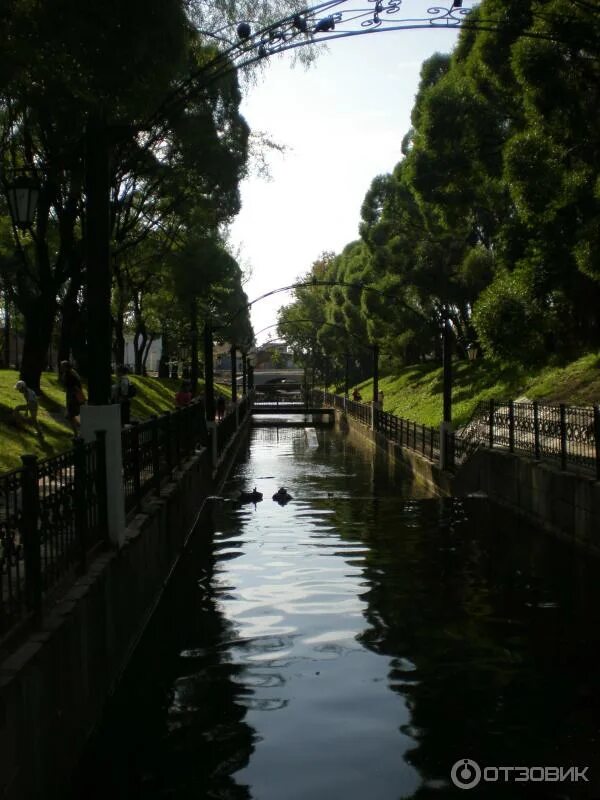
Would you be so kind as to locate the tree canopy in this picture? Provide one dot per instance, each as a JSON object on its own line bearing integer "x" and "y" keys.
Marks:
{"x": 492, "y": 214}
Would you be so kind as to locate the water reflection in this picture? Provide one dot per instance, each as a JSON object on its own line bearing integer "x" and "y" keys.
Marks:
{"x": 176, "y": 727}
{"x": 356, "y": 643}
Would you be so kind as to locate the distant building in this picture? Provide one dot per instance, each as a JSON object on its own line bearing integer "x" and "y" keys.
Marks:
{"x": 222, "y": 357}
{"x": 153, "y": 354}
{"x": 274, "y": 355}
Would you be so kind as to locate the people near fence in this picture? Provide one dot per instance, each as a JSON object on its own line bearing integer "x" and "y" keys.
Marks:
{"x": 122, "y": 392}
{"x": 220, "y": 407}
{"x": 74, "y": 394}
{"x": 356, "y": 395}
{"x": 29, "y": 407}
{"x": 184, "y": 395}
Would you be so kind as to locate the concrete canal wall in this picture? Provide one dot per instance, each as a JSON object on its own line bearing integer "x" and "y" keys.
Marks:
{"x": 565, "y": 504}
{"x": 54, "y": 687}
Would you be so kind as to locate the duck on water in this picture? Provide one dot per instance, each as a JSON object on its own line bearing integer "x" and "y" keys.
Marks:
{"x": 250, "y": 497}
{"x": 282, "y": 496}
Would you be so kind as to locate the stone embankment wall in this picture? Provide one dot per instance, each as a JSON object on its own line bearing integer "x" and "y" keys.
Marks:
{"x": 54, "y": 687}
{"x": 563, "y": 503}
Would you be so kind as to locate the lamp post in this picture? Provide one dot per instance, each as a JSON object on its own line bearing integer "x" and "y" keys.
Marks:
{"x": 209, "y": 386}
{"x": 375, "y": 403}
{"x": 22, "y": 194}
{"x": 447, "y": 366}
{"x": 250, "y": 374}
{"x": 346, "y": 376}
{"x": 233, "y": 355}
{"x": 97, "y": 254}
{"x": 446, "y": 426}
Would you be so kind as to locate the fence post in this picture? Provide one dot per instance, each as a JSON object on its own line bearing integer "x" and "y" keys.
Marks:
{"x": 414, "y": 435}
{"x": 166, "y": 420}
{"x": 177, "y": 435}
{"x": 101, "y": 487}
{"x": 492, "y": 409}
{"x": 597, "y": 439}
{"x": 536, "y": 430}
{"x": 449, "y": 434}
{"x": 511, "y": 426}
{"x": 563, "y": 436}
{"x": 79, "y": 482}
{"x": 155, "y": 453}
{"x": 31, "y": 536}
{"x": 135, "y": 460}
{"x": 423, "y": 437}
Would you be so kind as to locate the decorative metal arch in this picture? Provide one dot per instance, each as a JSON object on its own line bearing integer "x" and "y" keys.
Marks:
{"x": 334, "y": 19}
{"x": 360, "y": 285}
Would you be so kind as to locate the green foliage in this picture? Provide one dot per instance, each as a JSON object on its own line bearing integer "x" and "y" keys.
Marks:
{"x": 509, "y": 323}
{"x": 154, "y": 396}
{"x": 415, "y": 392}
{"x": 493, "y": 214}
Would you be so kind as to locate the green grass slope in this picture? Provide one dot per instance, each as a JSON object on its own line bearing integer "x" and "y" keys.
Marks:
{"x": 416, "y": 392}
{"x": 154, "y": 396}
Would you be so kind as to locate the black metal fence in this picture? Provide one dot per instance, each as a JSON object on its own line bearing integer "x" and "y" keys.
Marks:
{"x": 53, "y": 512}
{"x": 567, "y": 435}
{"x": 154, "y": 448}
{"x": 413, "y": 435}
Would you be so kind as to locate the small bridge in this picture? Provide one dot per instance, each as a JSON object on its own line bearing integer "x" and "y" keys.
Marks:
{"x": 287, "y": 407}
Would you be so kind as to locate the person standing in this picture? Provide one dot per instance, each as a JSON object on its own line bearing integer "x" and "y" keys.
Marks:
{"x": 74, "y": 395}
{"x": 184, "y": 395}
{"x": 30, "y": 406}
{"x": 122, "y": 392}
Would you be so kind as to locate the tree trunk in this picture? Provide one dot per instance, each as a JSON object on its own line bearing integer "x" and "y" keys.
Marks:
{"x": 163, "y": 364}
{"x": 39, "y": 321}
{"x": 147, "y": 347}
{"x": 119, "y": 319}
{"x": 194, "y": 372}
{"x": 6, "y": 349}
{"x": 68, "y": 323}
{"x": 139, "y": 342}
{"x": 119, "y": 342}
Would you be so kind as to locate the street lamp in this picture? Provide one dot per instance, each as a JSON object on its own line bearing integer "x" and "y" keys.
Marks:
{"x": 22, "y": 195}
{"x": 251, "y": 361}
{"x": 447, "y": 365}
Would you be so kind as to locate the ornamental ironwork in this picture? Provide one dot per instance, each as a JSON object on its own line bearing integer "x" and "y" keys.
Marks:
{"x": 337, "y": 19}
{"x": 241, "y": 46}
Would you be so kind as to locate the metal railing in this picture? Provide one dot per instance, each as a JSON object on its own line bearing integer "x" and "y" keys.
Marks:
{"x": 408, "y": 433}
{"x": 566, "y": 435}
{"x": 53, "y": 512}
{"x": 52, "y": 515}
{"x": 154, "y": 448}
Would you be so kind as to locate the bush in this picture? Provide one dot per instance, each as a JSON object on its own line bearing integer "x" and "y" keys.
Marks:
{"x": 509, "y": 321}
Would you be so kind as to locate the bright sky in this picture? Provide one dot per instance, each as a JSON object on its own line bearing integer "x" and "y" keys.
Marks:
{"x": 342, "y": 121}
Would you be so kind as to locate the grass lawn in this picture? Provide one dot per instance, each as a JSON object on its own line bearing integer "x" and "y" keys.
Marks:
{"x": 416, "y": 392}
{"x": 154, "y": 396}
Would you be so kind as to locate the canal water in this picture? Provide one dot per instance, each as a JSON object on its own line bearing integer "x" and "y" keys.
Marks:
{"x": 355, "y": 644}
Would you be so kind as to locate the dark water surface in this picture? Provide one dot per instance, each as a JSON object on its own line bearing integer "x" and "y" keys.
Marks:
{"x": 354, "y": 644}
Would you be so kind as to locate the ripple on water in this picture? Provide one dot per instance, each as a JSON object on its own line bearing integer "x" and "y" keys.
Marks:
{"x": 379, "y": 634}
